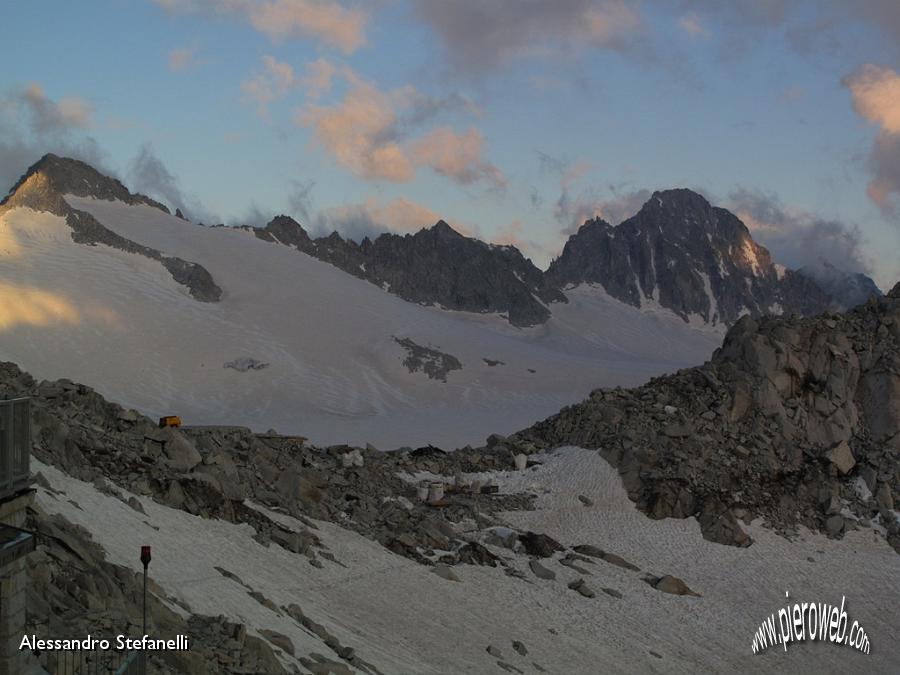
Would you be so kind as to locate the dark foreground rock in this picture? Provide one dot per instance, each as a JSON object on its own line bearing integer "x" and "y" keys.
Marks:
{"x": 796, "y": 421}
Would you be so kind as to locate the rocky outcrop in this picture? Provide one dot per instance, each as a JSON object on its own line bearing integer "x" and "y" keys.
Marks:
{"x": 67, "y": 176}
{"x": 796, "y": 421}
{"x": 42, "y": 189}
{"x": 432, "y": 362}
{"x": 686, "y": 255}
{"x": 435, "y": 266}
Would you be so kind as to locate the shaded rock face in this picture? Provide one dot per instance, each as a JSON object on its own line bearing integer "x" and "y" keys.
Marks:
{"x": 434, "y": 363}
{"x": 784, "y": 422}
{"x": 687, "y": 255}
{"x": 42, "y": 189}
{"x": 436, "y": 266}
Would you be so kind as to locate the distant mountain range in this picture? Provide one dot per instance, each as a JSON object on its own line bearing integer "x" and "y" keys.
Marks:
{"x": 678, "y": 252}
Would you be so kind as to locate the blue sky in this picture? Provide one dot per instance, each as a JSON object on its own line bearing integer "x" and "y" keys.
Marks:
{"x": 513, "y": 119}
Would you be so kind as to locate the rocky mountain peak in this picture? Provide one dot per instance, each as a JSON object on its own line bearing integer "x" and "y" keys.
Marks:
{"x": 285, "y": 230}
{"x": 675, "y": 201}
{"x": 684, "y": 254}
{"x": 43, "y": 188}
{"x": 443, "y": 229}
{"x": 67, "y": 176}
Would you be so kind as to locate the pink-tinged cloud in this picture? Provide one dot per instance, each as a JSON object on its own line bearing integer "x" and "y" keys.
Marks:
{"x": 690, "y": 24}
{"x": 181, "y": 58}
{"x": 514, "y": 235}
{"x": 277, "y": 78}
{"x": 317, "y": 77}
{"x": 510, "y": 235}
{"x": 268, "y": 85}
{"x": 328, "y": 21}
{"x": 373, "y": 217}
{"x": 358, "y": 132}
{"x": 876, "y": 98}
{"x": 366, "y": 131}
{"x": 606, "y": 23}
{"x": 457, "y": 156}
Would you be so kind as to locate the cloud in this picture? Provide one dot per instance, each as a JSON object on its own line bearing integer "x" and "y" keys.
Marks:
{"x": 182, "y": 58}
{"x": 621, "y": 205}
{"x": 277, "y": 78}
{"x": 876, "y": 98}
{"x": 52, "y": 116}
{"x": 690, "y": 24}
{"x": 359, "y": 132}
{"x": 374, "y": 217}
{"x": 571, "y": 209}
{"x": 808, "y": 27}
{"x": 884, "y": 162}
{"x": 514, "y": 235}
{"x": 32, "y": 124}
{"x": 796, "y": 237}
{"x": 480, "y": 35}
{"x": 300, "y": 199}
{"x": 149, "y": 175}
{"x": 317, "y": 77}
{"x": 327, "y": 21}
{"x": 268, "y": 85}
{"x": 367, "y": 132}
{"x": 457, "y": 156}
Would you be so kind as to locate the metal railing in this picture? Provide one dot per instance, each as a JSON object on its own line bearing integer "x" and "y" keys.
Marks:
{"x": 15, "y": 445}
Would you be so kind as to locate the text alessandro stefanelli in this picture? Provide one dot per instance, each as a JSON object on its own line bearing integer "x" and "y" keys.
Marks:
{"x": 90, "y": 643}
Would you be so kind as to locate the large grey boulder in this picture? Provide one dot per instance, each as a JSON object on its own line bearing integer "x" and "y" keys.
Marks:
{"x": 179, "y": 452}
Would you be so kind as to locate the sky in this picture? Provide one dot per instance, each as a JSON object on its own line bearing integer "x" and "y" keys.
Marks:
{"x": 514, "y": 120}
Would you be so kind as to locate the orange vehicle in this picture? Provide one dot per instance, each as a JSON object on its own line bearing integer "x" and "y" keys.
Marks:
{"x": 169, "y": 421}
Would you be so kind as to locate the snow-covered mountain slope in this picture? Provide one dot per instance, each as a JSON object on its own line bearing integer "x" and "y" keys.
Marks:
{"x": 119, "y": 322}
{"x": 404, "y": 619}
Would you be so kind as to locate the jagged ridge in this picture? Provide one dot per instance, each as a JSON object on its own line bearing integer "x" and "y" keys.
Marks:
{"x": 434, "y": 266}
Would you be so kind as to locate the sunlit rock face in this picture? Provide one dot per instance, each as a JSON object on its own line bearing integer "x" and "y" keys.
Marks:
{"x": 43, "y": 186}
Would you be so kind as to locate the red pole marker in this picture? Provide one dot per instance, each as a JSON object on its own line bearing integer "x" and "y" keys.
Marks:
{"x": 145, "y": 555}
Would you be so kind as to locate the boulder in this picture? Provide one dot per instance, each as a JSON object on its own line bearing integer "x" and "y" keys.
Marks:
{"x": 842, "y": 457}
{"x": 579, "y": 586}
{"x": 673, "y": 585}
{"x": 179, "y": 452}
{"x": 539, "y": 545}
{"x": 541, "y": 572}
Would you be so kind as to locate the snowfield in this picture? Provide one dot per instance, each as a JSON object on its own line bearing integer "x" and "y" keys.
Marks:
{"x": 120, "y": 323}
{"x": 406, "y": 620}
